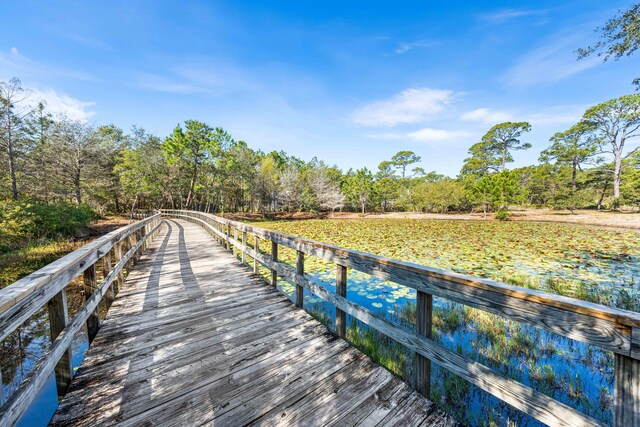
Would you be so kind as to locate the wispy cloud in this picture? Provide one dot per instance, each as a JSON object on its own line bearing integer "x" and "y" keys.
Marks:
{"x": 486, "y": 116}
{"x": 413, "y": 105}
{"x": 62, "y": 104}
{"x": 504, "y": 15}
{"x": 203, "y": 76}
{"x": 407, "y": 46}
{"x": 14, "y": 64}
{"x": 557, "y": 115}
{"x": 549, "y": 63}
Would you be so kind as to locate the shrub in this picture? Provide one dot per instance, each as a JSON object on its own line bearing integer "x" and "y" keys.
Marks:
{"x": 21, "y": 222}
{"x": 503, "y": 215}
{"x": 60, "y": 220}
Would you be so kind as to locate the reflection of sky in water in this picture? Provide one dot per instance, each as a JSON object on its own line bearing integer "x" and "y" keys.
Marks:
{"x": 586, "y": 370}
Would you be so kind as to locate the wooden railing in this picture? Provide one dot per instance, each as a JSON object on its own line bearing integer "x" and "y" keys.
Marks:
{"x": 608, "y": 328}
{"x": 114, "y": 253}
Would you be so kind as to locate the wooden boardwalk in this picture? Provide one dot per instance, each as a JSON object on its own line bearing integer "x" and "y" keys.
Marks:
{"x": 195, "y": 338}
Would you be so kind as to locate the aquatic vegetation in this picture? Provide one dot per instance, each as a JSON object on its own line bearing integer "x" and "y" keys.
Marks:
{"x": 592, "y": 264}
{"x": 552, "y": 257}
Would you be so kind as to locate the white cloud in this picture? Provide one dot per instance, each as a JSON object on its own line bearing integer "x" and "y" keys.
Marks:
{"x": 437, "y": 135}
{"x": 549, "y": 63}
{"x": 407, "y": 46}
{"x": 428, "y": 135}
{"x": 486, "y": 116}
{"x": 59, "y": 103}
{"x": 412, "y": 105}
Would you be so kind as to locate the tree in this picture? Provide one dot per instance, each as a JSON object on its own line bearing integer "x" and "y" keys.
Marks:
{"x": 141, "y": 170}
{"x": 614, "y": 123}
{"x": 631, "y": 182}
{"x": 195, "y": 145}
{"x": 326, "y": 191}
{"x": 572, "y": 147}
{"x": 77, "y": 150}
{"x": 493, "y": 152}
{"x": 402, "y": 159}
{"x": 619, "y": 37}
{"x": 359, "y": 187}
{"x": 14, "y": 109}
{"x": 290, "y": 187}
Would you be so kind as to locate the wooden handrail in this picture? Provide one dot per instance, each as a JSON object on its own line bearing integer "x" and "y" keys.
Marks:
{"x": 47, "y": 286}
{"x": 605, "y": 327}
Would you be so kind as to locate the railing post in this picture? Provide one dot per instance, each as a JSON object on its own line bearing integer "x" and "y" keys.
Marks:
{"x": 274, "y": 258}
{"x": 256, "y": 248}
{"x": 626, "y": 392}
{"x": 341, "y": 289}
{"x": 1, "y": 389}
{"x": 244, "y": 247}
{"x": 299, "y": 288}
{"x": 235, "y": 236}
{"x": 228, "y": 234}
{"x": 424, "y": 308}
{"x": 58, "y": 317}
{"x": 106, "y": 269}
{"x": 118, "y": 256}
{"x": 93, "y": 322}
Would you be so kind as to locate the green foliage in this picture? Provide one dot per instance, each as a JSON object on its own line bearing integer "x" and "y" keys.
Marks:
{"x": 359, "y": 189}
{"x": 438, "y": 196}
{"x": 493, "y": 152}
{"x": 503, "y": 215}
{"x": 21, "y": 221}
{"x": 620, "y": 36}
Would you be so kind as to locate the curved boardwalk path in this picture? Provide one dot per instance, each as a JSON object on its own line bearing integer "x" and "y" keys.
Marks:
{"x": 194, "y": 338}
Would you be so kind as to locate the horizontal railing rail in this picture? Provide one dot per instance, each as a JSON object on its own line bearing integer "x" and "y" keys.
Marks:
{"x": 115, "y": 253}
{"x": 611, "y": 329}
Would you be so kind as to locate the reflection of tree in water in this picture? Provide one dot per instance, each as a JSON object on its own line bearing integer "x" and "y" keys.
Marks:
{"x": 20, "y": 351}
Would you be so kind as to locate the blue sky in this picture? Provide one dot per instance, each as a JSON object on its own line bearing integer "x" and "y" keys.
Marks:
{"x": 349, "y": 82}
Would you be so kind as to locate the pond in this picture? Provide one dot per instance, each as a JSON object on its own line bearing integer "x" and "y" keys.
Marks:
{"x": 594, "y": 264}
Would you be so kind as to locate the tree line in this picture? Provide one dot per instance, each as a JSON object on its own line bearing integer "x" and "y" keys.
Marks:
{"x": 54, "y": 159}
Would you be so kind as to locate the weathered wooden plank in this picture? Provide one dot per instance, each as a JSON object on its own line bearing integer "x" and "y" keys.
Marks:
{"x": 376, "y": 407}
{"x": 424, "y": 307}
{"x": 626, "y": 392}
{"x": 412, "y": 411}
{"x": 274, "y": 399}
{"x": 90, "y": 284}
{"x": 304, "y": 362}
{"x": 330, "y": 399}
{"x": 58, "y": 318}
{"x": 300, "y": 271}
{"x": 341, "y": 290}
